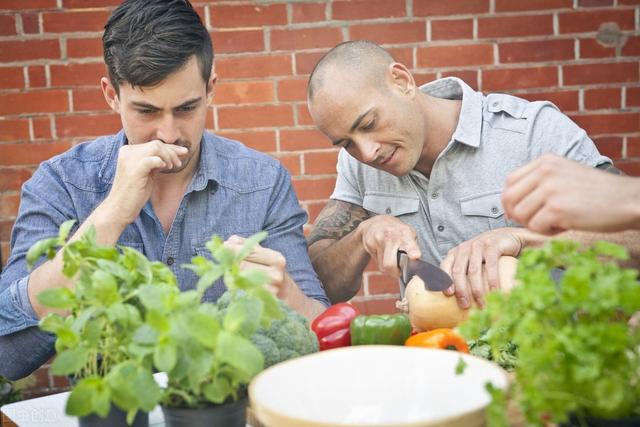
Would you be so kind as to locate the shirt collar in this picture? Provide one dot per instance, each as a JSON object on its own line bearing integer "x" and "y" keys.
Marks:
{"x": 469, "y": 129}
{"x": 208, "y": 167}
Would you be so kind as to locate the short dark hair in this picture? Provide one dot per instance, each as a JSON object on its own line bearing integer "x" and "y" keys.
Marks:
{"x": 146, "y": 40}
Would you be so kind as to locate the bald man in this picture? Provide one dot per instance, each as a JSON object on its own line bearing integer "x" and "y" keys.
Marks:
{"x": 422, "y": 169}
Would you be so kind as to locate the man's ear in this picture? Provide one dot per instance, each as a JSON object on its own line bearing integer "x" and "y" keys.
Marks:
{"x": 211, "y": 84}
{"x": 402, "y": 79}
{"x": 110, "y": 94}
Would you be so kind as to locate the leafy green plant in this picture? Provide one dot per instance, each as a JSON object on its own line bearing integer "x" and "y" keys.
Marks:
{"x": 208, "y": 356}
{"x": 577, "y": 352}
{"x": 94, "y": 340}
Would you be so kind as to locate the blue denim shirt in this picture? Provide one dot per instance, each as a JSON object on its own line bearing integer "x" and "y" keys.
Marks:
{"x": 235, "y": 190}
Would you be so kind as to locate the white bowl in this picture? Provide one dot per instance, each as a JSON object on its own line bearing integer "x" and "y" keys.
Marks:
{"x": 375, "y": 386}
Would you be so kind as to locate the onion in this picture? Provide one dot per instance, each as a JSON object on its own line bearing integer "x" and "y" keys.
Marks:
{"x": 430, "y": 310}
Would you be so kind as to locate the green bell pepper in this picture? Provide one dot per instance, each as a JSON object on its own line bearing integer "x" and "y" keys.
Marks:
{"x": 380, "y": 329}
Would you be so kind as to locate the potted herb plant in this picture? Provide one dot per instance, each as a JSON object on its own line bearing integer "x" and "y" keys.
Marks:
{"x": 94, "y": 341}
{"x": 576, "y": 339}
{"x": 207, "y": 352}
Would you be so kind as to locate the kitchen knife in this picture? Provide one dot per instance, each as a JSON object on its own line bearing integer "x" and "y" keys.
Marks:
{"x": 434, "y": 278}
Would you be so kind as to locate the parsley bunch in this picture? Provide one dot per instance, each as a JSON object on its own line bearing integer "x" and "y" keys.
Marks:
{"x": 577, "y": 352}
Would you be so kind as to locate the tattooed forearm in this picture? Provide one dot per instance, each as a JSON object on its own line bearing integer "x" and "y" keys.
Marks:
{"x": 336, "y": 220}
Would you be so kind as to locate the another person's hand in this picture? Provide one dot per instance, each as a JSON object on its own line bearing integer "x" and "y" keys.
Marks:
{"x": 271, "y": 262}
{"x": 383, "y": 235}
{"x": 473, "y": 265}
{"x": 133, "y": 182}
{"x": 554, "y": 194}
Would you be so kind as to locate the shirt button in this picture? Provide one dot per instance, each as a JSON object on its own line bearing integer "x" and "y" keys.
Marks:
{"x": 495, "y": 103}
{"x": 434, "y": 195}
{"x": 441, "y": 228}
{"x": 494, "y": 210}
{"x": 388, "y": 210}
{"x": 170, "y": 261}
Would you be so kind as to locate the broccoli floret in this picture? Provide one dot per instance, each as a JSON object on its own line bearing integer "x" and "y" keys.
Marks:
{"x": 291, "y": 336}
{"x": 285, "y": 338}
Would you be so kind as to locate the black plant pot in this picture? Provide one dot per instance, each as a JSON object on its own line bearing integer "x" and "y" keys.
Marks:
{"x": 115, "y": 418}
{"x": 232, "y": 414}
{"x": 601, "y": 422}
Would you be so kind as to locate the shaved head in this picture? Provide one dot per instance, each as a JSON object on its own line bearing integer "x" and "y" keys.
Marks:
{"x": 360, "y": 61}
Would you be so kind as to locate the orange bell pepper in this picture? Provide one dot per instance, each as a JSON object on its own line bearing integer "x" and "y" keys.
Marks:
{"x": 438, "y": 338}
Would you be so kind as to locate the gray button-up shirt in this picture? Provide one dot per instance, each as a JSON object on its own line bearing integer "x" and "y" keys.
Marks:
{"x": 495, "y": 135}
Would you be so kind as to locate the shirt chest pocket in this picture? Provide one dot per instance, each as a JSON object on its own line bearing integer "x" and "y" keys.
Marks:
{"x": 390, "y": 204}
{"x": 485, "y": 209}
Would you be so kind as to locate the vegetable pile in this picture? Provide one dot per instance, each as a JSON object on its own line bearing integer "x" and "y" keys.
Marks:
{"x": 578, "y": 354}
{"x": 341, "y": 325}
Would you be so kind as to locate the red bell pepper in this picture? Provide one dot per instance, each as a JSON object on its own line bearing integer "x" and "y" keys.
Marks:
{"x": 332, "y": 326}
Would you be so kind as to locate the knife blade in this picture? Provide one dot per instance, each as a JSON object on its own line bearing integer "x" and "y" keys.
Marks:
{"x": 435, "y": 279}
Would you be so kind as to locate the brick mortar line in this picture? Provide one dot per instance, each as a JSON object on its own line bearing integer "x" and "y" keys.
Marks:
{"x": 87, "y": 60}
{"x": 52, "y": 36}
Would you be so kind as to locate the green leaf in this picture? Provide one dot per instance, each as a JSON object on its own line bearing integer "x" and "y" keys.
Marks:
{"x": 92, "y": 332}
{"x": 133, "y": 387}
{"x": 89, "y": 395}
{"x": 187, "y": 299}
{"x": 250, "y": 244}
{"x": 145, "y": 335}
{"x": 612, "y": 250}
{"x": 52, "y": 323}
{"x": 224, "y": 255}
{"x": 158, "y": 321}
{"x": 243, "y": 316}
{"x": 204, "y": 326}
{"x": 252, "y": 278}
{"x": 460, "y": 367}
{"x": 207, "y": 279}
{"x": 70, "y": 361}
{"x": 218, "y": 391}
{"x": 65, "y": 229}
{"x": 42, "y": 247}
{"x": 115, "y": 269}
{"x": 158, "y": 298}
{"x": 165, "y": 355}
{"x": 105, "y": 288}
{"x": 83, "y": 317}
{"x": 61, "y": 298}
{"x": 241, "y": 354}
{"x": 271, "y": 308}
{"x": 67, "y": 338}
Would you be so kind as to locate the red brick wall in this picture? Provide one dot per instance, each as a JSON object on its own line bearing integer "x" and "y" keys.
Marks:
{"x": 581, "y": 54}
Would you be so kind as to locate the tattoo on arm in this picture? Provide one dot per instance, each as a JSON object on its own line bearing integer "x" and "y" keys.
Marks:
{"x": 336, "y": 220}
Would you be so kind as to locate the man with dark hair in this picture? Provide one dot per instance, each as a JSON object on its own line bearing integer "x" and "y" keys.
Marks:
{"x": 161, "y": 185}
{"x": 422, "y": 170}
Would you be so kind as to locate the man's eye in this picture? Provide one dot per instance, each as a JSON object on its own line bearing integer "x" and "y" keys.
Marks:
{"x": 369, "y": 125}
{"x": 146, "y": 111}
{"x": 187, "y": 108}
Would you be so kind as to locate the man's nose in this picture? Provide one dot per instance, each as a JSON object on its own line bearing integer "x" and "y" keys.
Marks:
{"x": 369, "y": 150}
{"x": 168, "y": 129}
